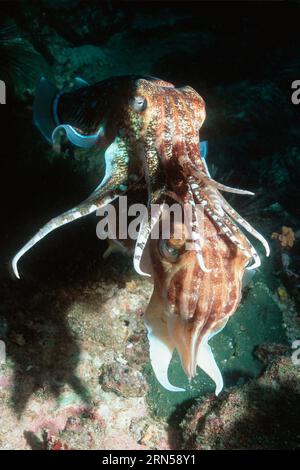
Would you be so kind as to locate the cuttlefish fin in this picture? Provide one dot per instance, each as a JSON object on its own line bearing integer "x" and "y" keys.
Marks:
{"x": 207, "y": 362}
{"x": 80, "y": 140}
{"x": 46, "y": 119}
{"x": 45, "y": 106}
{"x": 203, "y": 148}
{"x": 77, "y": 139}
{"x": 160, "y": 348}
{"x": 145, "y": 230}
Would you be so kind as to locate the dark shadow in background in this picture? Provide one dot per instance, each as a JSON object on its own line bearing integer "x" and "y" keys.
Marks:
{"x": 174, "y": 430}
{"x": 39, "y": 342}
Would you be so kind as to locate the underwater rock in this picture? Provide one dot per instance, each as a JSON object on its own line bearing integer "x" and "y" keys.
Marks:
{"x": 20, "y": 63}
{"x": 123, "y": 380}
{"x": 267, "y": 352}
{"x": 280, "y": 171}
{"x": 150, "y": 433}
{"x": 263, "y": 414}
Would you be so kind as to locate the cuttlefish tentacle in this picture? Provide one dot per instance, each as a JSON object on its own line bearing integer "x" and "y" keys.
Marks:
{"x": 222, "y": 205}
{"x": 215, "y": 205}
{"x": 155, "y": 183}
{"x": 192, "y": 223}
{"x": 228, "y": 189}
{"x": 193, "y": 226}
{"x": 220, "y": 220}
{"x": 186, "y": 151}
{"x": 179, "y": 145}
{"x": 227, "y": 227}
{"x": 94, "y": 202}
{"x": 241, "y": 221}
{"x": 114, "y": 184}
{"x": 145, "y": 230}
{"x": 216, "y": 208}
{"x": 191, "y": 328}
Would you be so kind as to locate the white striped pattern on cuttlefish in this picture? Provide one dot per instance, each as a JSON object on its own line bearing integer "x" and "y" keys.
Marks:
{"x": 190, "y": 305}
{"x": 155, "y": 140}
{"x": 150, "y": 133}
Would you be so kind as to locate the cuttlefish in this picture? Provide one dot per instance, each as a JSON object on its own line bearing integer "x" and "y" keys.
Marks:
{"x": 147, "y": 132}
{"x": 188, "y": 305}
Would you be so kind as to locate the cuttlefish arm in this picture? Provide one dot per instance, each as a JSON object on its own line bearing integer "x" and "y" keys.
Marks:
{"x": 161, "y": 346}
{"x": 114, "y": 184}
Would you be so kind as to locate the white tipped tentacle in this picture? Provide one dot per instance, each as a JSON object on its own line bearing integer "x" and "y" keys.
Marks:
{"x": 201, "y": 263}
{"x": 228, "y": 189}
{"x": 225, "y": 225}
{"x": 87, "y": 207}
{"x": 194, "y": 234}
{"x": 215, "y": 205}
{"x": 201, "y": 177}
{"x": 197, "y": 242}
{"x": 241, "y": 221}
{"x": 193, "y": 226}
{"x": 256, "y": 258}
{"x": 143, "y": 235}
{"x": 222, "y": 187}
{"x": 100, "y": 197}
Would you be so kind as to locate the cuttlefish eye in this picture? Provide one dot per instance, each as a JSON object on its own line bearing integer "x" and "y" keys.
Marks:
{"x": 139, "y": 103}
{"x": 170, "y": 249}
